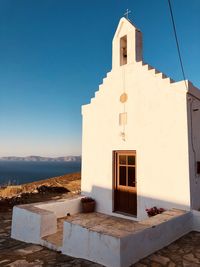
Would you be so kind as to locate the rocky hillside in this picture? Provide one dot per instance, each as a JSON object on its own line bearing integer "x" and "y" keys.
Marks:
{"x": 39, "y": 191}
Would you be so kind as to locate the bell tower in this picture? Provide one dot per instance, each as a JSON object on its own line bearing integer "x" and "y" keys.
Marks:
{"x": 127, "y": 44}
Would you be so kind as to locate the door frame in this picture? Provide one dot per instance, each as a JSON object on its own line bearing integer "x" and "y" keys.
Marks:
{"x": 115, "y": 180}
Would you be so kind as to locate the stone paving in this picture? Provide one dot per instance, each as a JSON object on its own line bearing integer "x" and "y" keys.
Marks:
{"x": 185, "y": 252}
{"x": 14, "y": 253}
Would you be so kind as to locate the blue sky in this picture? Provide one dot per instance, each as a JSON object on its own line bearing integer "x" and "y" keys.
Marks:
{"x": 55, "y": 53}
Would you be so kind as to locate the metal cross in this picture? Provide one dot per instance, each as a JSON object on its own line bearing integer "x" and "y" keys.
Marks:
{"x": 126, "y": 13}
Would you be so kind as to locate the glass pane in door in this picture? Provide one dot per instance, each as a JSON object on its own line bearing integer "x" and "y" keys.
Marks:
{"x": 122, "y": 175}
{"x": 131, "y": 160}
{"x": 122, "y": 159}
{"x": 131, "y": 176}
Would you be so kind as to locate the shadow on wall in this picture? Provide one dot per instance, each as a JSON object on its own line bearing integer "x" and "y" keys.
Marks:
{"x": 106, "y": 201}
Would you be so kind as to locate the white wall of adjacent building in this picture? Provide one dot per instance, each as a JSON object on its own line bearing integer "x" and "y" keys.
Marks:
{"x": 193, "y": 107}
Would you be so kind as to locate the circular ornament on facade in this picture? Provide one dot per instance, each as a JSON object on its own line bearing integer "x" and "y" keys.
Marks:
{"x": 123, "y": 98}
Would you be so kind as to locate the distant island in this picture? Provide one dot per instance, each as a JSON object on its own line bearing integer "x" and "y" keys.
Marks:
{"x": 38, "y": 158}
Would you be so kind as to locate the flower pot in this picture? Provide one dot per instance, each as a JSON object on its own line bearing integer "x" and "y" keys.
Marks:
{"x": 88, "y": 206}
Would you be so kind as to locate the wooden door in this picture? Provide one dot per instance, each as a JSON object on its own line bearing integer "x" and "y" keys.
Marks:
{"x": 125, "y": 191}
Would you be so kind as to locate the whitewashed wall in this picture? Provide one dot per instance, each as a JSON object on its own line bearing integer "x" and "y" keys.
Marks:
{"x": 156, "y": 129}
{"x": 193, "y": 106}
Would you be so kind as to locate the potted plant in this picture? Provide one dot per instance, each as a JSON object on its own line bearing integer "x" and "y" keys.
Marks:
{"x": 88, "y": 204}
{"x": 154, "y": 211}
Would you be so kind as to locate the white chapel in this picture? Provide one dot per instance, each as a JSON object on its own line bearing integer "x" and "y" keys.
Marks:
{"x": 141, "y": 135}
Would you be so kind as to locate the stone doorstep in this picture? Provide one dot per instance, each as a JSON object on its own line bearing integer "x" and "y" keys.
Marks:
{"x": 54, "y": 241}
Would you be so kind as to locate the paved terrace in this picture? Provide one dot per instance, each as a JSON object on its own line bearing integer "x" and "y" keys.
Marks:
{"x": 184, "y": 252}
{"x": 106, "y": 224}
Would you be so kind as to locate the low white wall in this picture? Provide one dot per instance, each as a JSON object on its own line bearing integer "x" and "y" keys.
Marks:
{"x": 32, "y": 221}
{"x": 139, "y": 245}
{"x": 123, "y": 251}
{"x": 82, "y": 243}
{"x": 62, "y": 207}
{"x": 31, "y": 225}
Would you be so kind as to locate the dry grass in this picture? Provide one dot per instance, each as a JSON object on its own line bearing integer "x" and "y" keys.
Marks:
{"x": 71, "y": 182}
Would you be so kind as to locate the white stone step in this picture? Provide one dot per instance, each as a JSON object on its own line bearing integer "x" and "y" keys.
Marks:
{"x": 54, "y": 241}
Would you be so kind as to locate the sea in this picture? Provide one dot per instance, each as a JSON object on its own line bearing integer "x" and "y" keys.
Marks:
{"x": 20, "y": 172}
